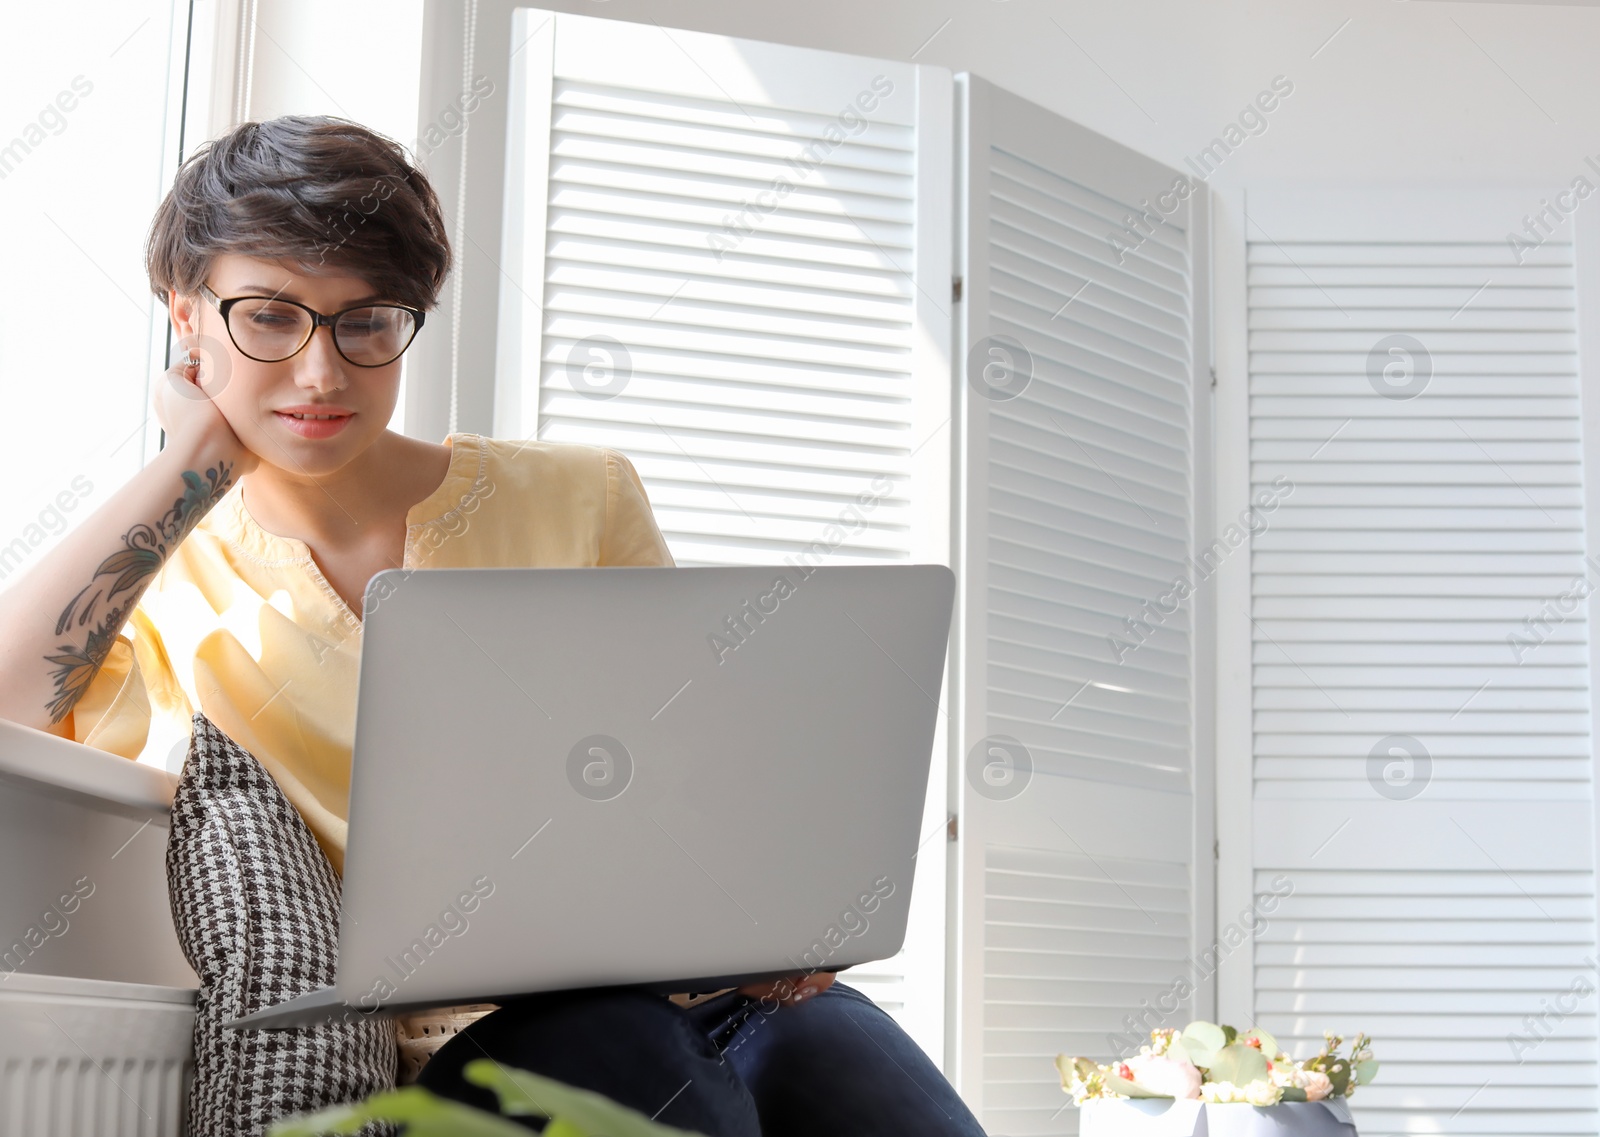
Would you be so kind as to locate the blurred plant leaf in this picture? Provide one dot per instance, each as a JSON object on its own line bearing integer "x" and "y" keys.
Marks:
{"x": 423, "y": 1114}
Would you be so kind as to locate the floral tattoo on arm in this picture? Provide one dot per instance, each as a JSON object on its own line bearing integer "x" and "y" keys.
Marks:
{"x": 120, "y": 580}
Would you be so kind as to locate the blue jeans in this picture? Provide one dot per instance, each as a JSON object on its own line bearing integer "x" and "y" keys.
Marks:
{"x": 833, "y": 1066}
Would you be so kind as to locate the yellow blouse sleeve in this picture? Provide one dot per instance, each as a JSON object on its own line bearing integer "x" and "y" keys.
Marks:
{"x": 631, "y": 536}
{"x": 114, "y": 712}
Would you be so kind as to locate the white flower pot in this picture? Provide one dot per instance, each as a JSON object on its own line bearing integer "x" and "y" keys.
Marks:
{"x": 1163, "y": 1117}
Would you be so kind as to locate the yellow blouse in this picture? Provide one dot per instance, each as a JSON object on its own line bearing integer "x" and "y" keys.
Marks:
{"x": 242, "y": 625}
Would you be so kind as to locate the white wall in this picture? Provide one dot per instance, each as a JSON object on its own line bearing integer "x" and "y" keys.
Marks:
{"x": 357, "y": 59}
{"x": 1403, "y": 91}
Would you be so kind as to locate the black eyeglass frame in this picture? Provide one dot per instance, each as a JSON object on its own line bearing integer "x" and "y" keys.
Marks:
{"x": 318, "y": 320}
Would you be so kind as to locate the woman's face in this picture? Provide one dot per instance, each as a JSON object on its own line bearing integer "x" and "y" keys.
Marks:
{"x": 259, "y": 399}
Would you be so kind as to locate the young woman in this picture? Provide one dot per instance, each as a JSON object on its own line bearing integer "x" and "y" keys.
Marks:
{"x": 298, "y": 259}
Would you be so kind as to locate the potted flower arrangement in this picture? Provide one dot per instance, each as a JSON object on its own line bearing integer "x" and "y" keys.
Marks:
{"x": 1212, "y": 1081}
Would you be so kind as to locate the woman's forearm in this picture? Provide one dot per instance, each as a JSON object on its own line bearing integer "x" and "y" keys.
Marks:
{"x": 59, "y": 621}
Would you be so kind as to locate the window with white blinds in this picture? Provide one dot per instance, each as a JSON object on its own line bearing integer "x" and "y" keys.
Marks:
{"x": 732, "y": 264}
{"x": 1422, "y": 748}
{"x": 1078, "y": 906}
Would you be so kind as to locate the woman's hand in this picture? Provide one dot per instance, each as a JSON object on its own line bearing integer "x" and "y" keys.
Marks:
{"x": 185, "y": 407}
{"x": 791, "y": 989}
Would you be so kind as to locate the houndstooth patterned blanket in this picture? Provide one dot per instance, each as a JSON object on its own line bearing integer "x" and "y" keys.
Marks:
{"x": 256, "y": 907}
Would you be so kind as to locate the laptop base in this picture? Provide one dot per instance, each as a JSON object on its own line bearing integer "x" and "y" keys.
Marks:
{"x": 325, "y": 1005}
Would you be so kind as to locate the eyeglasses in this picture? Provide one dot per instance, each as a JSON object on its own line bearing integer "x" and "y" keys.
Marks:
{"x": 269, "y": 330}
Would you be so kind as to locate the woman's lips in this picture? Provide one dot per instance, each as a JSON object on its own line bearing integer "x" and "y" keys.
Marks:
{"x": 314, "y": 428}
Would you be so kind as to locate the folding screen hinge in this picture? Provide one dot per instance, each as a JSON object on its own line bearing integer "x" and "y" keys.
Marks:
{"x": 1213, "y": 378}
{"x": 950, "y": 828}
{"x": 955, "y": 290}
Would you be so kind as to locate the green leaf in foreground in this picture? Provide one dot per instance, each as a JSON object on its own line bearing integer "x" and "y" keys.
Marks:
{"x": 423, "y": 1114}
{"x": 525, "y": 1094}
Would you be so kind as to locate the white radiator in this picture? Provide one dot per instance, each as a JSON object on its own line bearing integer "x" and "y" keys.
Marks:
{"x": 92, "y": 1058}
{"x": 83, "y": 893}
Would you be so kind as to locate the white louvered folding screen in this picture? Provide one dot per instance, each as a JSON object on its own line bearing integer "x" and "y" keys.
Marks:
{"x": 771, "y": 343}
{"x": 1078, "y": 897}
{"x": 732, "y": 262}
{"x": 1422, "y": 753}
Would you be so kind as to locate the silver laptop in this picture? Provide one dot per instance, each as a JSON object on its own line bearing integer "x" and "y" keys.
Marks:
{"x": 679, "y": 778}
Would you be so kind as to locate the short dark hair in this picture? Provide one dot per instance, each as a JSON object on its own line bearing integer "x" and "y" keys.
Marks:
{"x": 324, "y": 193}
